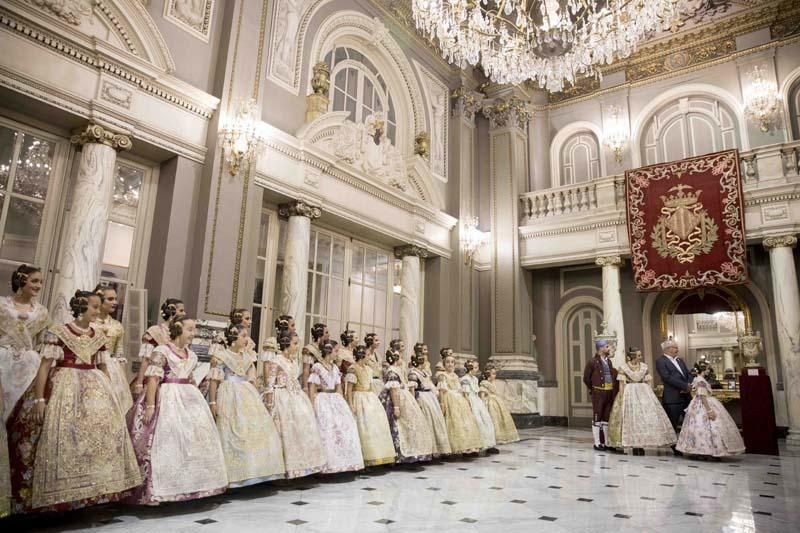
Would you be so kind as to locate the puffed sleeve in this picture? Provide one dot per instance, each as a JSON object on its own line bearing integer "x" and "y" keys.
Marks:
{"x": 266, "y": 355}
{"x": 156, "y": 366}
{"x": 273, "y": 371}
{"x": 103, "y": 357}
{"x": 701, "y": 388}
{"x": 147, "y": 347}
{"x": 392, "y": 380}
{"x": 622, "y": 376}
{"x": 441, "y": 382}
{"x": 413, "y": 379}
{"x": 351, "y": 377}
{"x": 51, "y": 347}
{"x": 216, "y": 373}
{"x": 314, "y": 376}
{"x": 484, "y": 388}
{"x": 466, "y": 386}
{"x": 308, "y": 357}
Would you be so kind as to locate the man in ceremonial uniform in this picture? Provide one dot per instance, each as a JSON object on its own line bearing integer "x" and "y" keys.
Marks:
{"x": 601, "y": 378}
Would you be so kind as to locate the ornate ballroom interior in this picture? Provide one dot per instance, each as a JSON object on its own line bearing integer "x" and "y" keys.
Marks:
{"x": 363, "y": 164}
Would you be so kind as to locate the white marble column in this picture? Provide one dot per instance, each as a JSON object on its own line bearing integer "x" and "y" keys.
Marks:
{"x": 409, "y": 293}
{"x": 612, "y": 302}
{"x": 787, "y": 317}
{"x": 84, "y": 236}
{"x": 728, "y": 363}
{"x": 295, "y": 263}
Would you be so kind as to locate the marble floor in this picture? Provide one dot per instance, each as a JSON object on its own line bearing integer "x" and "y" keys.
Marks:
{"x": 551, "y": 481}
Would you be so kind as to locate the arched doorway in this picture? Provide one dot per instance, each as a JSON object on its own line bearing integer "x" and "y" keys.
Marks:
{"x": 578, "y": 341}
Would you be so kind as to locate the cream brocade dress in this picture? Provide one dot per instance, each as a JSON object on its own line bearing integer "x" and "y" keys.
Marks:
{"x": 250, "y": 441}
{"x": 426, "y": 394}
{"x": 117, "y": 363}
{"x": 373, "y": 426}
{"x": 702, "y": 436}
{"x": 294, "y": 417}
{"x": 638, "y": 419}
{"x": 413, "y": 439}
{"x": 469, "y": 384}
{"x": 84, "y": 455}
{"x": 505, "y": 431}
{"x": 375, "y": 364}
{"x": 462, "y": 428}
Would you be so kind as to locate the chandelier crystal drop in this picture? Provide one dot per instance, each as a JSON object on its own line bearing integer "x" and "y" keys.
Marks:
{"x": 550, "y": 42}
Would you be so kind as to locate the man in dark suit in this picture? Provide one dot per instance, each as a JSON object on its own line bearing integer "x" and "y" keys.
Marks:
{"x": 677, "y": 383}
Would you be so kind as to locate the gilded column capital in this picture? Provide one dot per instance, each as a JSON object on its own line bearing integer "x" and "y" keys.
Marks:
{"x": 300, "y": 208}
{"x": 410, "y": 249}
{"x": 97, "y": 134}
{"x": 780, "y": 241}
{"x": 466, "y": 103}
{"x": 608, "y": 260}
{"x": 507, "y": 112}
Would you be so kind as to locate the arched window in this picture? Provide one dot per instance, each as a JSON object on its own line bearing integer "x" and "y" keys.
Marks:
{"x": 580, "y": 158}
{"x": 794, "y": 110}
{"x": 359, "y": 88}
{"x": 686, "y": 127}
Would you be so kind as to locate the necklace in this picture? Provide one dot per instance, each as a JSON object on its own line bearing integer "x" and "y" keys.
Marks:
{"x": 82, "y": 331}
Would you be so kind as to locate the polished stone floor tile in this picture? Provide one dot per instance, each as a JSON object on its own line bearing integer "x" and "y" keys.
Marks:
{"x": 551, "y": 481}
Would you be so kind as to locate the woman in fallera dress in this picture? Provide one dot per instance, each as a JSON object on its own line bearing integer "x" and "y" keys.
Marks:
{"x": 413, "y": 438}
{"x": 638, "y": 419}
{"x": 337, "y": 426}
{"x": 462, "y": 428}
{"x": 377, "y": 446}
{"x": 115, "y": 333}
{"x": 174, "y": 434}
{"x": 155, "y": 336}
{"x": 84, "y": 455}
{"x": 284, "y": 324}
{"x": 313, "y": 350}
{"x": 427, "y": 395}
{"x": 345, "y": 357}
{"x": 373, "y": 359}
{"x": 471, "y": 387}
{"x": 708, "y": 430}
{"x": 249, "y": 438}
{"x": 505, "y": 431}
{"x": 23, "y": 322}
{"x": 292, "y": 411}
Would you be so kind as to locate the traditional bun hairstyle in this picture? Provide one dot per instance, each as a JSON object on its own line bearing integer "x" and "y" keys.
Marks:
{"x": 391, "y": 357}
{"x": 632, "y": 352}
{"x": 282, "y": 324}
{"x": 487, "y": 371}
{"x": 237, "y": 315}
{"x": 444, "y": 352}
{"x": 369, "y": 339}
{"x": 471, "y": 365}
{"x": 327, "y": 348}
{"x": 101, "y": 289}
{"x": 318, "y": 330}
{"x": 700, "y": 367}
{"x": 231, "y": 333}
{"x": 170, "y": 308}
{"x": 394, "y": 344}
{"x": 359, "y": 352}
{"x": 176, "y": 326}
{"x": 79, "y": 303}
{"x": 417, "y": 360}
{"x": 285, "y": 340}
{"x": 347, "y": 336}
{"x": 19, "y": 278}
{"x": 418, "y": 348}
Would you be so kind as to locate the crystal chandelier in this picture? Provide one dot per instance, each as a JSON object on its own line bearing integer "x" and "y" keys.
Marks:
{"x": 762, "y": 100}
{"x": 615, "y": 135}
{"x": 549, "y": 42}
{"x": 242, "y": 136}
{"x": 471, "y": 239}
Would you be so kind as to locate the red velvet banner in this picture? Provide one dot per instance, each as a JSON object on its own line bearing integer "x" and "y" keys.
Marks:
{"x": 686, "y": 223}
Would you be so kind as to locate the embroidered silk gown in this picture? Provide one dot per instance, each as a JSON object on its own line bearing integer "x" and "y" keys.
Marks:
{"x": 377, "y": 372}
{"x": 469, "y": 384}
{"x": 462, "y": 428}
{"x": 505, "y": 431}
{"x": 250, "y": 441}
{"x": 294, "y": 417}
{"x": 344, "y": 360}
{"x": 638, "y": 419}
{"x": 337, "y": 426}
{"x": 179, "y": 450}
{"x": 20, "y": 334}
{"x": 117, "y": 363}
{"x": 413, "y": 438}
{"x": 427, "y": 397}
{"x": 702, "y": 436}
{"x": 377, "y": 446}
{"x": 84, "y": 455}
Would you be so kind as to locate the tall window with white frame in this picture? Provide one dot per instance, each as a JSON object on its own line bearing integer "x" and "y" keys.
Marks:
{"x": 370, "y": 286}
{"x": 580, "y": 158}
{"x": 26, "y": 166}
{"x": 326, "y": 282}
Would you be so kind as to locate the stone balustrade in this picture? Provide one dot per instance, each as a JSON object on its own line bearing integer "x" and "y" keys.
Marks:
{"x": 556, "y": 224}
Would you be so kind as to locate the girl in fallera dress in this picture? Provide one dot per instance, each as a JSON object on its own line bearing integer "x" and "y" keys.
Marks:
{"x": 462, "y": 428}
{"x": 471, "y": 387}
{"x": 284, "y": 325}
{"x": 250, "y": 441}
{"x": 313, "y": 350}
{"x": 427, "y": 395}
{"x": 421, "y": 350}
{"x": 115, "y": 333}
{"x": 708, "y": 430}
{"x": 84, "y": 455}
{"x": 174, "y": 434}
{"x": 373, "y": 342}
{"x": 638, "y": 419}
{"x": 413, "y": 438}
{"x": 505, "y": 430}
{"x": 292, "y": 411}
{"x": 155, "y": 336}
{"x": 345, "y": 357}
{"x": 377, "y": 446}
{"x": 337, "y": 426}
{"x": 23, "y": 322}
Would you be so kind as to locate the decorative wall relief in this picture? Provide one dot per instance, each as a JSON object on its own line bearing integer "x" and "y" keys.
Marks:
{"x": 70, "y": 11}
{"x": 193, "y": 16}
{"x": 116, "y": 94}
{"x": 436, "y": 97}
